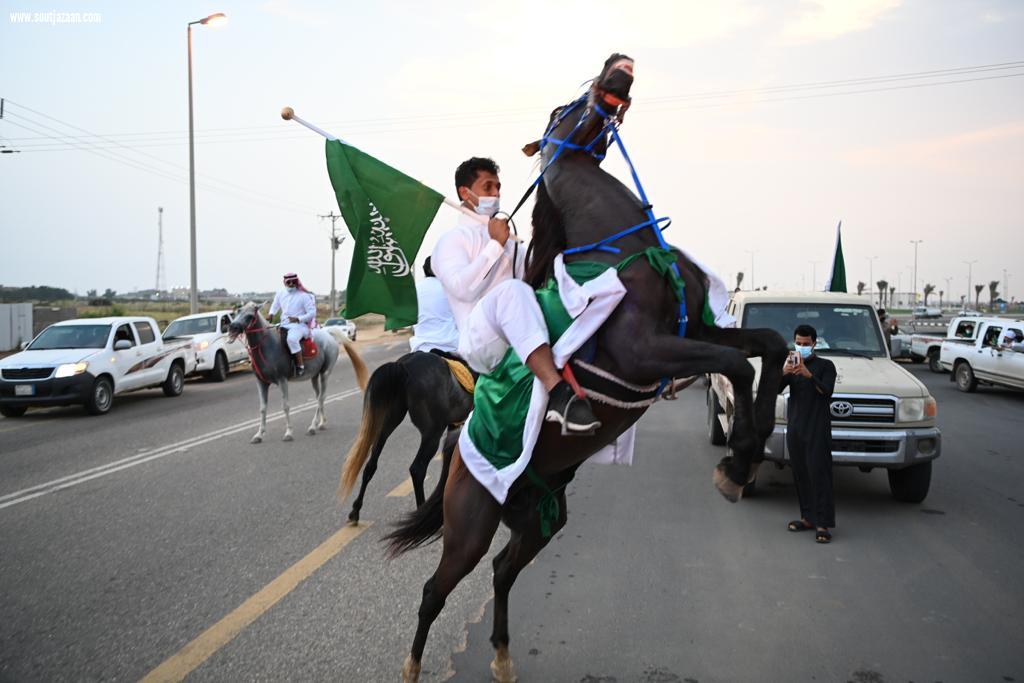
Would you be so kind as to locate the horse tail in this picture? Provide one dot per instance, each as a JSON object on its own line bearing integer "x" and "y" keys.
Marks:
{"x": 423, "y": 525}
{"x": 385, "y": 392}
{"x": 357, "y": 363}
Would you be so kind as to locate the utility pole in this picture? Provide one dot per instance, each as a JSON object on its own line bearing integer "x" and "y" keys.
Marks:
{"x": 969, "y": 264}
{"x": 335, "y": 243}
{"x": 871, "y": 274}
{"x": 1006, "y": 287}
{"x": 915, "y": 243}
{"x": 751, "y": 252}
{"x": 161, "y": 269}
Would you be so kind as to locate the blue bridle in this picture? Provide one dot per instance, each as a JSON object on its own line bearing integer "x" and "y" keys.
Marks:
{"x": 611, "y": 127}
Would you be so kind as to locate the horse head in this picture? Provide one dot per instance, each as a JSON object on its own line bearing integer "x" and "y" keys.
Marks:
{"x": 247, "y": 320}
{"x": 581, "y": 127}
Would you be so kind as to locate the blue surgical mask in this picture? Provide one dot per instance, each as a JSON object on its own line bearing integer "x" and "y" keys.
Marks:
{"x": 292, "y": 290}
{"x": 804, "y": 351}
{"x": 486, "y": 206}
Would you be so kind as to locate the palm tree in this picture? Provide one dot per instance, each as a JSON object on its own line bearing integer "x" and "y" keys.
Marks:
{"x": 993, "y": 294}
{"x": 928, "y": 289}
{"x": 977, "y": 296}
{"x": 739, "y": 280}
{"x": 892, "y": 293}
{"x": 860, "y": 288}
{"x": 940, "y": 297}
{"x": 883, "y": 287}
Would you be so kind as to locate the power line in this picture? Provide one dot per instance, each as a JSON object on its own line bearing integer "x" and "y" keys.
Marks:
{"x": 448, "y": 120}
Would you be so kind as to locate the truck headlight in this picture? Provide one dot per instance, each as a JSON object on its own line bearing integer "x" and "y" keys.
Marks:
{"x": 71, "y": 369}
{"x": 201, "y": 346}
{"x": 780, "y": 407}
{"x": 916, "y": 409}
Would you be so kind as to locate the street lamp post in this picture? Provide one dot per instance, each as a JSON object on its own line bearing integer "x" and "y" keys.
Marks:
{"x": 871, "y": 273}
{"x": 751, "y": 252}
{"x": 217, "y": 19}
{"x": 915, "y": 243}
{"x": 969, "y": 264}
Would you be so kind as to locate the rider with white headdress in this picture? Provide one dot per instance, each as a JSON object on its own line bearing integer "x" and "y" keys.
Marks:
{"x": 297, "y": 307}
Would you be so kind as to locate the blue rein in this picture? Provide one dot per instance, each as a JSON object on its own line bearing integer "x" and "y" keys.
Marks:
{"x": 653, "y": 223}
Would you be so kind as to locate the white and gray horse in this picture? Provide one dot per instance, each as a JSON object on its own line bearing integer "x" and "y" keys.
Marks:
{"x": 272, "y": 364}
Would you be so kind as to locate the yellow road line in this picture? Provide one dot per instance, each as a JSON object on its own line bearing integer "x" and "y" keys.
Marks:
{"x": 405, "y": 488}
{"x": 224, "y": 631}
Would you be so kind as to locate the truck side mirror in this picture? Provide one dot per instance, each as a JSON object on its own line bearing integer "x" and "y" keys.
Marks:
{"x": 122, "y": 345}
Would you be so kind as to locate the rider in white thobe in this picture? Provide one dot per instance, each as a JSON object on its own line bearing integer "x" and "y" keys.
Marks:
{"x": 298, "y": 311}
{"x": 435, "y": 323}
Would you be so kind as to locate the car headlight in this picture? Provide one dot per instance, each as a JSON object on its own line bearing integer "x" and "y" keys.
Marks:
{"x": 780, "y": 407}
{"x": 71, "y": 369}
{"x": 916, "y": 409}
{"x": 201, "y": 346}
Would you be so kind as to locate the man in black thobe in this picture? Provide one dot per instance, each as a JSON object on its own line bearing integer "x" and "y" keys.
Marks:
{"x": 811, "y": 380}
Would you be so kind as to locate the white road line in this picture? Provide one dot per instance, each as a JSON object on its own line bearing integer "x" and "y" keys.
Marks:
{"x": 77, "y": 478}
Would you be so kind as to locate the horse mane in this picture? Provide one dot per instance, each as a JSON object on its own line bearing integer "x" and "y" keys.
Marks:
{"x": 548, "y": 240}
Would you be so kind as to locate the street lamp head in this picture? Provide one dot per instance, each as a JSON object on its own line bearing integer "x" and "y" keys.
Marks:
{"x": 215, "y": 19}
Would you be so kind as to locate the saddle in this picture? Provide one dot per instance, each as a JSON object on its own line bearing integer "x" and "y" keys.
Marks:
{"x": 459, "y": 368}
{"x": 308, "y": 346}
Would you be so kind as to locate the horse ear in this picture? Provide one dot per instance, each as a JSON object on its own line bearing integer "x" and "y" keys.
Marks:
{"x": 531, "y": 148}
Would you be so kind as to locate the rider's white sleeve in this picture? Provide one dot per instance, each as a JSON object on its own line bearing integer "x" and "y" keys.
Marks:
{"x": 464, "y": 278}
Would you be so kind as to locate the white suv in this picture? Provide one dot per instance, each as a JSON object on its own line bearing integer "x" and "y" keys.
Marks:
{"x": 208, "y": 333}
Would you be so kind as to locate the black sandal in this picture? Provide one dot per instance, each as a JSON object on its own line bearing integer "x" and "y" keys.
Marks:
{"x": 823, "y": 536}
{"x": 799, "y": 525}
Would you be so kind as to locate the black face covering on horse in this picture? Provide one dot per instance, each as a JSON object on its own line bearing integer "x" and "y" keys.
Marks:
{"x": 615, "y": 81}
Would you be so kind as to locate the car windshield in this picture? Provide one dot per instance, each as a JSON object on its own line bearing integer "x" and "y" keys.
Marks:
{"x": 190, "y": 326}
{"x": 843, "y": 329}
{"x": 71, "y": 337}
{"x": 336, "y": 321}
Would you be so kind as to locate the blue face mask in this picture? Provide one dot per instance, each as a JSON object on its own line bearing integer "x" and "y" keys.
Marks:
{"x": 292, "y": 290}
{"x": 804, "y": 351}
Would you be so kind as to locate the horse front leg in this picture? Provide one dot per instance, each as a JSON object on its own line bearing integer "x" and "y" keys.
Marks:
{"x": 651, "y": 357}
{"x": 262, "y": 429}
{"x": 287, "y": 414}
{"x": 770, "y": 347}
{"x": 318, "y": 413}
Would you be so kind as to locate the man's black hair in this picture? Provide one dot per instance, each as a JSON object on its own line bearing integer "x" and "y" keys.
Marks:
{"x": 881, "y": 314}
{"x": 806, "y": 331}
{"x": 465, "y": 174}
{"x": 427, "y": 270}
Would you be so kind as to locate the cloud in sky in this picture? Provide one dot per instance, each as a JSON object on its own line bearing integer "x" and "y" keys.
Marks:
{"x": 828, "y": 19}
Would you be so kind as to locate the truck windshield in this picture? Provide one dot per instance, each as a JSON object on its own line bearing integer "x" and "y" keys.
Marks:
{"x": 71, "y": 337}
{"x": 185, "y": 328}
{"x": 842, "y": 328}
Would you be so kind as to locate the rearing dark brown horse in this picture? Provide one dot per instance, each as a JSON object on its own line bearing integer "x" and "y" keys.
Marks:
{"x": 578, "y": 204}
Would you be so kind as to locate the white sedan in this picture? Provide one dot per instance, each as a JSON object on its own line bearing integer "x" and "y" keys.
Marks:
{"x": 347, "y": 326}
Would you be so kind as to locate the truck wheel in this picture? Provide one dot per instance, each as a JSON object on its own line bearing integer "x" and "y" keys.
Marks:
{"x": 716, "y": 435}
{"x": 101, "y": 398}
{"x": 916, "y": 358}
{"x": 965, "y": 379}
{"x": 910, "y": 485}
{"x": 219, "y": 373}
{"x": 175, "y": 382}
{"x": 933, "y": 361}
{"x": 13, "y": 411}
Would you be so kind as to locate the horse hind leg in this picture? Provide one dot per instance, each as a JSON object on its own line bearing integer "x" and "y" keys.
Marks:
{"x": 514, "y": 557}
{"x": 471, "y": 517}
{"x": 287, "y": 412}
{"x": 392, "y": 419}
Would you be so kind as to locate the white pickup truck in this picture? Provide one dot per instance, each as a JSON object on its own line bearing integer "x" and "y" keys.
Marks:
{"x": 882, "y": 416}
{"x": 973, "y": 353}
{"x": 216, "y": 353}
{"x": 89, "y": 361}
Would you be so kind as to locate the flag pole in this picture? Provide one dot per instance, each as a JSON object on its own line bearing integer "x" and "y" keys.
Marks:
{"x": 288, "y": 114}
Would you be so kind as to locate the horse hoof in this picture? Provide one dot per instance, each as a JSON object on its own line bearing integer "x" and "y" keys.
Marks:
{"x": 311, "y": 431}
{"x": 288, "y": 437}
{"x": 256, "y": 439}
{"x": 353, "y": 518}
{"x": 502, "y": 670}
{"x": 410, "y": 670}
{"x": 323, "y": 427}
{"x": 726, "y": 486}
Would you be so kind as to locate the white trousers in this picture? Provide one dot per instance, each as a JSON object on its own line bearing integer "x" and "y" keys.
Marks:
{"x": 296, "y": 331}
{"x": 508, "y": 315}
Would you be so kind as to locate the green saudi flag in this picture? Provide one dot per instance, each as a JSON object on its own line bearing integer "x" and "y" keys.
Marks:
{"x": 387, "y": 214}
{"x": 837, "y": 281}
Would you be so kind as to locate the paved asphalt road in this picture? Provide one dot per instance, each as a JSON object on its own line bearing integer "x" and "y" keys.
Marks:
{"x": 156, "y": 539}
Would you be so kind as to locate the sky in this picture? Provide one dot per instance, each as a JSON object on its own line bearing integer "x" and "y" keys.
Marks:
{"x": 757, "y": 126}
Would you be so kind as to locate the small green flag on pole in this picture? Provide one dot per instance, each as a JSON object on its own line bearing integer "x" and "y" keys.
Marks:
{"x": 837, "y": 280}
{"x": 387, "y": 213}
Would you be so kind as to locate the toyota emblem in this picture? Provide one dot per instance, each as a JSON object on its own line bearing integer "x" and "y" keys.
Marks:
{"x": 841, "y": 409}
